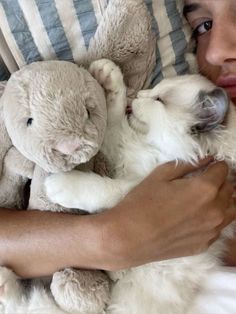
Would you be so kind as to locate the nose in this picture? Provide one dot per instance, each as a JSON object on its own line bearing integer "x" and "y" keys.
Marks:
{"x": 222, "y": 44}
{"x": 68, "y": 146}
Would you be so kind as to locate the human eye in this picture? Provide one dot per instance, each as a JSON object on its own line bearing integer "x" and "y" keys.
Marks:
{"x": 202, "y": 28}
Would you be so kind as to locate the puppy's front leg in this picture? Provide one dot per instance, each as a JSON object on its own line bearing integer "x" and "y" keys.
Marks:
{"x": 86, "y": 190}
{"x": 109, "y": 75}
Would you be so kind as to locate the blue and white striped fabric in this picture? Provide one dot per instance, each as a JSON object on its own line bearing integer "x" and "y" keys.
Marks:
{"x": 58, "y": 29}
{"x": 173, "y": 35}
{"x": 47, "y": 29}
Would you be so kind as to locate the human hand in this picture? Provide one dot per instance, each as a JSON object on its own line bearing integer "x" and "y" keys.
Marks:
{"x": 168, "y": 215}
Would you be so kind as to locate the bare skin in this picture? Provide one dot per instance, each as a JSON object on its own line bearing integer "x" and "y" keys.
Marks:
{"x": 147, "y": 225}
{"x": 166, "y": 216}
{"x": 214, "y": 28}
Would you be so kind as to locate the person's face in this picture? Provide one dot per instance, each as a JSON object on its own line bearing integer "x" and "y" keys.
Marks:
{"x": 214, "y": 27}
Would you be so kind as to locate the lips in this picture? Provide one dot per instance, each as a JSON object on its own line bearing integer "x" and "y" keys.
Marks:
{"x": 229, "y": 84}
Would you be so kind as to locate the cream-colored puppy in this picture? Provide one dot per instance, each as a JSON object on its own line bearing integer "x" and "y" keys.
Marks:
{"x": 181, "y": 119}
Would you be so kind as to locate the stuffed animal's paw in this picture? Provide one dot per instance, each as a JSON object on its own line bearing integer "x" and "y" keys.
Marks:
{"x": 18, "y": 163}
{"x": 108, "y": 74}
{"x": 78, "y": 291}
{"x": 8, "y": 284}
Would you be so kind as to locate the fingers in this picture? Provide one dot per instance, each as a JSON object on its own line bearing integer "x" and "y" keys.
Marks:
{"x": 224, "y": 208}
{"x": 171, "y": 170}
{"x": 230, "y": 217}
{"x": 224, "y": 198}
{"x": 215, "y": 174}
{"x": 230, "y": 214}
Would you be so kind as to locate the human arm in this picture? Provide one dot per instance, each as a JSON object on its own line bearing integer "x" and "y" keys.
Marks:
{"x": 166, "y": 216}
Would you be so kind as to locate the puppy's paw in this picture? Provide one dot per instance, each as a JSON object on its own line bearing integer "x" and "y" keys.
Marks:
{"x": 58, "y": 189}
{"x": 108, "y": 74}
{"x": 80, "y": 291}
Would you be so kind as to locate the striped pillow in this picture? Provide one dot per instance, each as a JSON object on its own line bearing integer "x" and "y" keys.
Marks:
{"x": 58, "y": 29}
{"x": 45, "y": 29}
{"x": 174, "y": 34}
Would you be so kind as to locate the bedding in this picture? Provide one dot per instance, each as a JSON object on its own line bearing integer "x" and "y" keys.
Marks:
{"x": 43, "y": 30}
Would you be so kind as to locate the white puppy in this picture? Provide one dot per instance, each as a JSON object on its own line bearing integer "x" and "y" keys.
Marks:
{"x": 181, "y": 119}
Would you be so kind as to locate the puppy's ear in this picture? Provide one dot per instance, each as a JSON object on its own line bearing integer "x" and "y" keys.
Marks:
{"x": 212, "y": 109}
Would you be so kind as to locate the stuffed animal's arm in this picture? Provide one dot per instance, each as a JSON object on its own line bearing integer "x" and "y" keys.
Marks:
{"x": 86, "y": 190}
{"x": 15, "y": 162}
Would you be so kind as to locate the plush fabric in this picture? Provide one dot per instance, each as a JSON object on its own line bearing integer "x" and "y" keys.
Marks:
{"x": 63, "y": 93}
{"x": 43, "y": 29}
{"x": 52, "y": 118}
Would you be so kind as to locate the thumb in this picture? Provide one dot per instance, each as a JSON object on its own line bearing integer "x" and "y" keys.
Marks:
{"x": 172, "y": 170}
{"x": 230, "y": 214}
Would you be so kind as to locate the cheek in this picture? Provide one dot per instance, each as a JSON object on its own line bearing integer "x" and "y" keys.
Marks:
{"x": 210, "y": 71}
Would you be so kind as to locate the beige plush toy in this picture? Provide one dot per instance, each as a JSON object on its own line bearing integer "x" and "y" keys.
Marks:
{"x": 53, "y": 118}
{"x": 54, "y": 114}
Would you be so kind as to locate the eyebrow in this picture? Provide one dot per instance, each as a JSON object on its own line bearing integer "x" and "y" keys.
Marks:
{"x": 188, "y": 8}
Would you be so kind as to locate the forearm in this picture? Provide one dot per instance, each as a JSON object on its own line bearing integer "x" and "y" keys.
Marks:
{"x": 149, "y": 224}
{"x": 35, "y": 243}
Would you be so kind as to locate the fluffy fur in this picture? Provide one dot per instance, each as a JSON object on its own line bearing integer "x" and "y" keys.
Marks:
{"x": 54, "y": 113}
{"x": 181, "y": 119}
{"x": 57, "y": 121}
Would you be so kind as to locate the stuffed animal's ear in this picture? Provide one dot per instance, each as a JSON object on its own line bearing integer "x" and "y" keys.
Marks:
{"x": 213, "y": 107}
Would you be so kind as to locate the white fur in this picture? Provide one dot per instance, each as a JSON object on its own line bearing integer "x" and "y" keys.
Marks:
{"x": 11, "y": 289}
{"x": 156, "y": 132}
{"x": 67, "y": 290}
